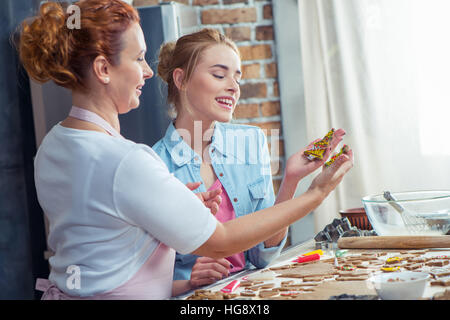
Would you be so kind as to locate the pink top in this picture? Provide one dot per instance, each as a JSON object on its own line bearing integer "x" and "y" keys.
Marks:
{"x": 226, "y": 213}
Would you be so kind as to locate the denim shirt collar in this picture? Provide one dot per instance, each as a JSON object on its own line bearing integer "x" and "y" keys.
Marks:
{"x": 182, "y": 153}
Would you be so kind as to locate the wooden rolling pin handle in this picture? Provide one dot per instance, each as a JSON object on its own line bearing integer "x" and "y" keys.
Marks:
{"x": 394, "y": 242}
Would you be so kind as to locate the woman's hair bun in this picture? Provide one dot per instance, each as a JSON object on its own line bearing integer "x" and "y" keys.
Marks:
{"x": 44, "y": 48}
{"x": 51, "y": 50}
{"x": 165, "y": 65}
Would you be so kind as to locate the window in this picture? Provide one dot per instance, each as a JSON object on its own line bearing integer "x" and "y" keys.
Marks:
{"x": 432, "y": 56}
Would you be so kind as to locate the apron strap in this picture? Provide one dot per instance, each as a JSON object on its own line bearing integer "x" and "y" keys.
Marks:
{"x": 92, "y": 117}
{"x": 51, "y": 291}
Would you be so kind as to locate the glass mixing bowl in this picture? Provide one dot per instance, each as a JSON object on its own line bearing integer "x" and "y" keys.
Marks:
{"x": 431, "y": 208}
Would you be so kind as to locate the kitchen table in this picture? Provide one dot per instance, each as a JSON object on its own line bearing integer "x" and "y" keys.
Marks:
{"x": 322, "y": 279}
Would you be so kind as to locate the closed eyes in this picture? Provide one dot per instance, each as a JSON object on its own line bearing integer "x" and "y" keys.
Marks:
{"x": 222, "y": 77}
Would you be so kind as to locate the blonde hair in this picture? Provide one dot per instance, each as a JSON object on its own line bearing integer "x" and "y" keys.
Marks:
{"x": 185, "y": 54}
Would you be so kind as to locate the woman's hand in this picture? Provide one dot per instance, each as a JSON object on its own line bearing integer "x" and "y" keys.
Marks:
{"x": 332, "y": 175}
{"x": 211, "y": 199}
{"x": 299, "y": 166}
{"x": 207, "y": 270}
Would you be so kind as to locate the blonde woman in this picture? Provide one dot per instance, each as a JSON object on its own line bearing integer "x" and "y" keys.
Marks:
{"x": 203, "y": 71}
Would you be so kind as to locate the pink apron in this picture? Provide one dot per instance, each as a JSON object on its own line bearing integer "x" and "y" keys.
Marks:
{"x": 152, "y": 281}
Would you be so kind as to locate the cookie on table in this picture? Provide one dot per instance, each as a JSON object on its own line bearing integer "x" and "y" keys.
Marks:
{"x": 267, "y": 293}
{"x": 443, "y": 282}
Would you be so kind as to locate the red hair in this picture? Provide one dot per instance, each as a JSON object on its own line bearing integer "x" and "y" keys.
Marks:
{"x": 49, "y": 50}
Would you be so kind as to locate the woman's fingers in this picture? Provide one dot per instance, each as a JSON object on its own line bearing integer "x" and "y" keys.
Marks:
{"x": 213, "y": 207}
{"x": 212, "y": 200}
{"x": 193, "y": 185}
{"x": 342, "y": 164}
{"x": 212, "y": 194}
{"x": 338, "y": 136}
{"x": 333, "y": 174}
{"x": 207, "y": 270}
{"x": 202, "y": 261}
{"x": 203, "y": 277}
{"x": 345, "y": 161}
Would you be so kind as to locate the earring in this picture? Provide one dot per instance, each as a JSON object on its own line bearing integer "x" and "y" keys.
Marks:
{"x": 106, "y": 80}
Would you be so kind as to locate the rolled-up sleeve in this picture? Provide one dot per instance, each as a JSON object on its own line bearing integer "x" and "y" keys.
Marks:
{"x": 260, "y": 256}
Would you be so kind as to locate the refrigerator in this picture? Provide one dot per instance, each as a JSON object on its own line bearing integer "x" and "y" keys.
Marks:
{"x": 147, "y": 124}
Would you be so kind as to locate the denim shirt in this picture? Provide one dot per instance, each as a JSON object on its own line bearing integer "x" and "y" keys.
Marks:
{"x": 240, "y": 158}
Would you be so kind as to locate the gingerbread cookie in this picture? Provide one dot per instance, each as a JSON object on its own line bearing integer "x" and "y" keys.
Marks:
{"x": 319, "y": 147}
{"x": 283, "y": 267}
{"x": 390, "y": 269}
{"x": 208, "y": 295}
{"x": 413, "y": 266}
{"x": 440, "y": 272}
{"x": 340, "y": 278}
{"x": 290, "y": 275}
{"x": 394, "y": 260}
{"x": 261, "y": 276}
{"x": 262, "y": 286}
{"x": 248, "y": 293}
{"x": 356, "y": 273}
{"x": 443, "y": 282}
{"x": 343, "y": 150}
{"x": 246, "y": 283}
{"x": 437, "y": 263}
{"x": 267, "y": 293}
{"x": 417, "y": 260}
{"x": 308, "y": 269}
{"x": 313, "y": 279}
{"x": 289, "y": 293}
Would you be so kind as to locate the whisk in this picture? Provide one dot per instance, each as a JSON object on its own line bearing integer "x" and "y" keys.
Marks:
{"x": 412, "y": 223}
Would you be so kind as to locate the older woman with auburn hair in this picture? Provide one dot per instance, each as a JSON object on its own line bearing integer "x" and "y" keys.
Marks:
{"x": 116, "y": 214}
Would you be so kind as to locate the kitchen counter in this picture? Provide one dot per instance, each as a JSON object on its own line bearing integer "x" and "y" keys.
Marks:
{"x": 321, "y": 279}
{"x": 288, "y": 254}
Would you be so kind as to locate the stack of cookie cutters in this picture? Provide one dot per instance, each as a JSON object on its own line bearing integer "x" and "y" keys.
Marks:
{"x": 331, "y": 233}
{"x": 328, "y": 237}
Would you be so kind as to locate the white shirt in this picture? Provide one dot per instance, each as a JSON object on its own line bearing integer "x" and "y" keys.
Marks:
{"x": 110, "y": 202}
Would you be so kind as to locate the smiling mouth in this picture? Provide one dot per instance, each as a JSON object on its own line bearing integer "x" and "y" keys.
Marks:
{"x": 225, "y": 103}
{"x": 139, "y": 89}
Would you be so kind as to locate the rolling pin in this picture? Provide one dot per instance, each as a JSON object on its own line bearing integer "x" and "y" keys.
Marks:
{"x": 394, "y": 242}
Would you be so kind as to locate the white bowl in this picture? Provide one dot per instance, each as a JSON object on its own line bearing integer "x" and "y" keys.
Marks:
{"x": 407, "y": 285}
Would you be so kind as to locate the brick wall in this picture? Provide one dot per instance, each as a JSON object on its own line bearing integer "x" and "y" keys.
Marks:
{"x": 250, "y": 24}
